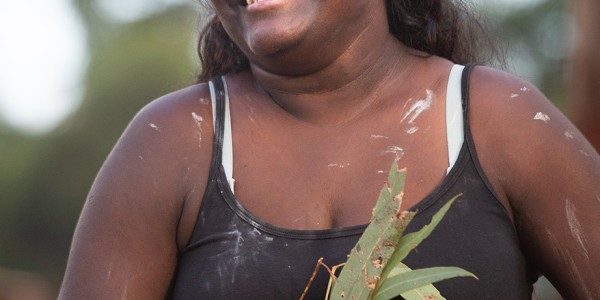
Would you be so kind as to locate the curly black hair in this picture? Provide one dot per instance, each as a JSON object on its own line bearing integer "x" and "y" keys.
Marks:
{"x": 445, "y": 28}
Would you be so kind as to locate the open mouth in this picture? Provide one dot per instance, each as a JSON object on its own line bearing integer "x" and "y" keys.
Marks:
{"x": 250, "y": 2}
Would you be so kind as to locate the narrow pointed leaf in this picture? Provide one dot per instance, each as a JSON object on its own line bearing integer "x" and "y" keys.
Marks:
{"x": 425, "y": 292}
{"x": 408, "y": 242}
{"x": 375, "y": 247}
{"x": 411, "y": 280}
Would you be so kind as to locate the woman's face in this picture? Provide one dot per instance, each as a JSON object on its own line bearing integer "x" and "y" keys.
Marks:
{"x": 272, "y": 28}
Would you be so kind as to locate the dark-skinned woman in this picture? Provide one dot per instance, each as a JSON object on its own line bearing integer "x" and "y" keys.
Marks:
{"x": 233, "y": 188}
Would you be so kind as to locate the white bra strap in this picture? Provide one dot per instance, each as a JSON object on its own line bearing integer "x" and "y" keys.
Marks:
{"x": 227, "y": 151}
{"x": 454, "y": 115}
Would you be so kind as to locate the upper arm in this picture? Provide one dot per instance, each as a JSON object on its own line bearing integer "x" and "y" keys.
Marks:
{"x": 126, "y": 241}
{"x": 547, "y": 174}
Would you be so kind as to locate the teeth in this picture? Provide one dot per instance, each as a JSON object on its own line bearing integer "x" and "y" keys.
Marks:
{"x": 252, "y": 1}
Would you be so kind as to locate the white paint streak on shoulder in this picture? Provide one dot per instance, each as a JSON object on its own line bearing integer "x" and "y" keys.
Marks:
{"x": 198, "y": 120}
{"x": 154, "y": 126}
{"x": 540, "y": 116}
{"x": 204, "y": 101}
{"x": 418, "y": 108}
{"x": 524, "y": 89}
{"x": 575, "y": 226}
{"x": 570, "y": 134}
{"x": 513, "y": 96}
{"x": 584, "y": 153}
{"x": 140, "y": 157}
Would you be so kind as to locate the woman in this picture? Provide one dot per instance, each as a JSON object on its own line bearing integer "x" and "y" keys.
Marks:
{"x": 316, "y": 100}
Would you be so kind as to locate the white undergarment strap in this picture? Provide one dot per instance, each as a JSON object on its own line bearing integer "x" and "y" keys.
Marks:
{"x": 227, "y": 151}
{"x": 454, "y": 115}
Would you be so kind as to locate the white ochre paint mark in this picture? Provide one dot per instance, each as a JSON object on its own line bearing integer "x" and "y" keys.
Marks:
{"x": 154, "y": 126}
{"x": 570, "y": 134}
{"x": 397, "y": 151}
{"x": 575, "y": 226}
{"x": 418, "y": 108}
{"x": 140, "y": 157}
{"x": 540, "y": 116}
{"x": 380, "y": 172}
{"x": 378, "y": 136}
{"x": 412, "y": 130}
{"x": 524, "y": 89}
{"x": 203, "y": 101}
{"x": 557, "y": 250}
{"x": 198, "y": 120}
{"x": 341, "y": 166}
{"x": 585, "y": 153}
{"x": 513, "y": 96}
{"x": 573, "y": 270}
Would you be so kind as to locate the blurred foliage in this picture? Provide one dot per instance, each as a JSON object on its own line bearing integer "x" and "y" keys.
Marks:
{"x": 44, "y": 180}
{"x": 535, "y": 40}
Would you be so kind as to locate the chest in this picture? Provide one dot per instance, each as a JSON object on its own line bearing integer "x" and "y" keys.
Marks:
{"x": 312, "y": 179}
{"x": 232, "y": 252}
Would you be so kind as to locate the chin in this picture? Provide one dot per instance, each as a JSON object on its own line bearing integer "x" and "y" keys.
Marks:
{"x": 271, "y": 42}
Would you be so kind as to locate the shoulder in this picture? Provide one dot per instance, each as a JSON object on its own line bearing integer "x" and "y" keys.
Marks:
{"x": 522, "y": 139}
{"x": 171, "y": 109}
{"x": 546, "y": 172}
{"x": 172, "y": 121}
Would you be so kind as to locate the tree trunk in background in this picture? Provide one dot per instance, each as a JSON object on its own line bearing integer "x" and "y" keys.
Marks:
{"x": 584, "y": 86}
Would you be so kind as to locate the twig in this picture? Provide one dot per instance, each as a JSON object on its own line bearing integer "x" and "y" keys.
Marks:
{"x": 314, "y": 274}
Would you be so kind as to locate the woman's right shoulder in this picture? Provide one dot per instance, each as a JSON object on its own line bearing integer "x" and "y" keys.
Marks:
{"x": 180, "y": 120}
{"x": 177, "y": 109}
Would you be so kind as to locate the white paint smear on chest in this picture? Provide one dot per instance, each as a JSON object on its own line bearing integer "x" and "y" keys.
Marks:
{"x": 418, "y": 108}
{"x": 397, "y": 151}
{"x": 378, "y": 137}
{"x": 336, "y": 165}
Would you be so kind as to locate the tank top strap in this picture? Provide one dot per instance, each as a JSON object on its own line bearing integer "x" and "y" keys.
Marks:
{"x": 454, "y": 116}
{"x": 222, "y": 140}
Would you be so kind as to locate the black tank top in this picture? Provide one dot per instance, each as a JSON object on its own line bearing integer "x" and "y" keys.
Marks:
{"x": 234, "y": 255}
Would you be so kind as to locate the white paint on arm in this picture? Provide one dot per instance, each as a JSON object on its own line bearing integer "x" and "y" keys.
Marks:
{"x": 540, "y": 116}
{"x": 570, "y": 134}
{"x": 575, "y": 226}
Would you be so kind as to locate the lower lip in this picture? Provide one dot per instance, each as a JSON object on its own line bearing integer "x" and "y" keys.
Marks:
{"x": 263, "y": 5}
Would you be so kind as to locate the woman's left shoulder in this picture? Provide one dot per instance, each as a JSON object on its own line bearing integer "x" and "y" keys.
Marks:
{"x": 541, "y": 165}
{"x": 525, "y": 143}
{"x": 512, "y": 111}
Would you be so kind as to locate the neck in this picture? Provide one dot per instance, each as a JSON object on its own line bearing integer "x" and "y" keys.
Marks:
{"x": 342, "y": 89}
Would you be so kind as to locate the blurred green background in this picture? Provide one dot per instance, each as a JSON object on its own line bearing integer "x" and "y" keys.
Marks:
{"x": 44, "y": 177}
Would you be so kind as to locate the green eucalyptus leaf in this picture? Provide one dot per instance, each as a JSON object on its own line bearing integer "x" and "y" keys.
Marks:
{"x": 368, "y": 258}
{"x": 410, "y": 280}
{"x": 408, "y": 242}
